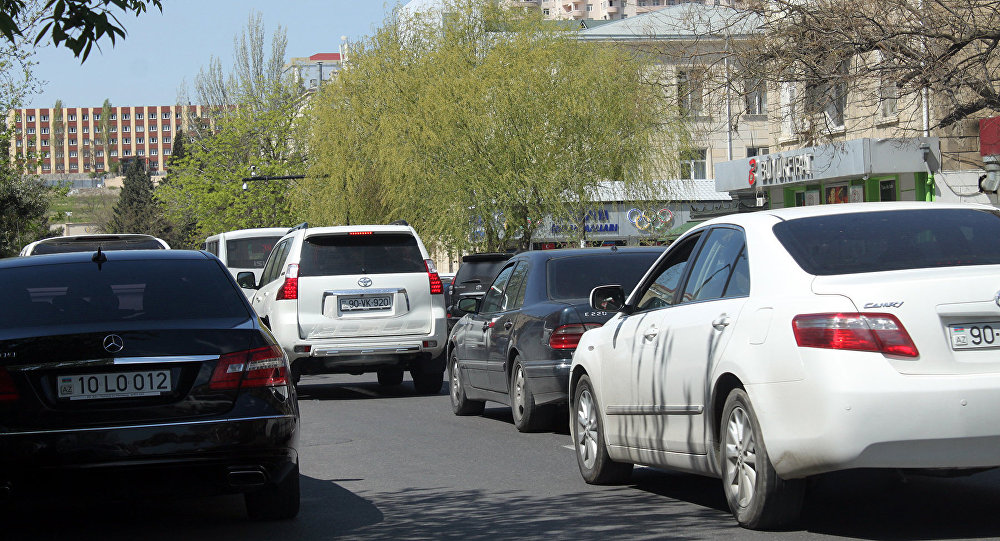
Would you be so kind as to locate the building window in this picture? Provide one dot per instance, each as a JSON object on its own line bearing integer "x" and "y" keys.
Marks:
{"x": 73, "y": 154}
{"x": 152, "y": 152}
{"x": 590, "y": 7}
{"x": 888, "y": 96}
{"x": 72, "y": 167}
{"x": 72, "y": 142}
{"x": 165, "y": 115}
{"x": 166, "y": 140}
{"x": 154, "y": 165}
{"x": 138, "y": 140}
{"x": 693, "y": 165}
{"x": 126, "y": 141}
{"x": 140, "y": 152}
{"x": 829, "y": 98}
{"x": 20, "y": 142}
{"x": 126, "y": 152}
{"x": 86, "y": 129}
{"x": 757, "y": 151}
{"x": 31, "y": 131}
{"x": 789, "y": 109}
{"x": 31, "y": 118}
{"x": 97, "y": 129}
{"x": 690, "y": 91}
{"x": 152, "y": 127}
{"x": 114, "y": 141}
{"x": 86, "y": 142}
{"x": 756, "y": 97}
{"x": 44, "y": 118}
{"x": 97, "y": 116}
{"x": 114, "y": 116}
{"x": 113, "y": 153}
{"x": 71, "y": 117}
{"x": 140, "y": 129}
{"x": 45, "y": 142}
{"x": 46, "y": 167}
{"x": 545, "y": 11}
{"x": 72, "y": 129}
{"x": 99, "y": 153}
{"x": 126, "y": 129}
{"x": 86, "y": 116}
{"x": 166, "y": 127}
{"x": 113, "y": 129}
{"x": 124, "y": 116}
{"x": 138, "y": 116}
{"x": 166, "y": 152}
{"x": 152, "y": 140}
{"x": 45, "y": 131}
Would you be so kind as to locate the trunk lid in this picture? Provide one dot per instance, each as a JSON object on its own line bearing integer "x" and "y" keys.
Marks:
{"x": 944, "y": 310}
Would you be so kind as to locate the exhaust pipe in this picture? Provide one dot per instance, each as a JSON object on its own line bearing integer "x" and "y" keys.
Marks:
{"x": 247, "y": 477}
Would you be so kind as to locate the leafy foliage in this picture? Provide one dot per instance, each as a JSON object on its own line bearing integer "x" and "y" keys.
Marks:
{"x": 75, "y": 24}
{"x": 483, "y": 121}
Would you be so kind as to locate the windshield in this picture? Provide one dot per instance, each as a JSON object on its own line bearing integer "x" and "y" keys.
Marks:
{"x": 575, "y": 276}
{"x": 892, "y": 240}
{"x": 59, "y": 246}
{"x": 250, "y": 253}
{"x": 387, "y": 253}
{"x": 117, "y": 291}
{"x": 482, "y": 272}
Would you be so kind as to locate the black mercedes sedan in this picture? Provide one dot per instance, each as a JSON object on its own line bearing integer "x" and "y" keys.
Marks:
{"x": 515, "y": 344}
{"x": 139, "y": 371}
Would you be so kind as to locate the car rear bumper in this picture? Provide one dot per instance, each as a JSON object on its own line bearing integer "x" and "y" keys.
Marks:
{"x": 548, "y": 379}
{"x": 222, "y": 452}
{"x": 857, "y": 412}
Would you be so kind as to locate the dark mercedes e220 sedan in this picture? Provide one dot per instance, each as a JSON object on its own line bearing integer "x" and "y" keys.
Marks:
{"x": 142, "y": 370}
{"x": 516, "y": 344}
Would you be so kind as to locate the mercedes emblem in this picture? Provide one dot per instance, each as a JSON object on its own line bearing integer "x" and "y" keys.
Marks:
{"x": 365, "y": 281}
{"x": 113, "y": 343}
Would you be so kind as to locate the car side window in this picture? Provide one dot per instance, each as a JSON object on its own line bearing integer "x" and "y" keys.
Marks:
{"x": 275, "y": 262}
{"x": 494, "y": 299}
{"x": 715, "y": 266}
{"x": 514, "y": 297}
{"x": 663, "y": 289}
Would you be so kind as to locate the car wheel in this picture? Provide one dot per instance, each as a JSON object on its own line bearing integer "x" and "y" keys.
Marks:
{"x": 427, "y": 382}
{"x": 275, "y": 502}
{"x": 388, "y": 377}
{"x": 528, "y": 417}
{"x": 592, "y": 457}
{"x": 757, "y": 497}
{"x": 461, "y": 404}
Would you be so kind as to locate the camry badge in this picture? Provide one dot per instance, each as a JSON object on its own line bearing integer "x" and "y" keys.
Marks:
{"x": 365, "y": 282}
{"x": 113, "y": 343}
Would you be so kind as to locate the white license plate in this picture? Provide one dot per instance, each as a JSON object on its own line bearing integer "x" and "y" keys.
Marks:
{"x": 114, "y": 385}
{"x": 368, "y": 302}
{"x": 975, "y": 335}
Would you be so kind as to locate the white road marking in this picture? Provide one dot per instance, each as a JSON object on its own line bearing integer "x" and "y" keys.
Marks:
{"x": 570, "y": 447}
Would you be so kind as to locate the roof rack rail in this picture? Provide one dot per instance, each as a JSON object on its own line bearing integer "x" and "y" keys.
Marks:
{"x": 399, "y": 222}
{"x": 302, "y": 225}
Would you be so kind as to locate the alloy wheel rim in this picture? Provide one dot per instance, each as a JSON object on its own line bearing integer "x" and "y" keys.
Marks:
{"x": 741, "y": 458}
{"x": 519, "y": 392}
{"x": 586, "y": 429}
{"x": 456, "y": 384}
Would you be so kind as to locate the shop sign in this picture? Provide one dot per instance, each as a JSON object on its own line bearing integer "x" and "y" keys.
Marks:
{"x": 650, "y": 221}
{"x": 594, "y": 221}
{"x": 770, "y": 170}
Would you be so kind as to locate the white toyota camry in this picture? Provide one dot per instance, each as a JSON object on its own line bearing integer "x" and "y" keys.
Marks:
{"x": 767, "y": 347}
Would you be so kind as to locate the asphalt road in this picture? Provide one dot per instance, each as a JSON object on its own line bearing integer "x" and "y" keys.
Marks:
{"x": 387, "y": 464}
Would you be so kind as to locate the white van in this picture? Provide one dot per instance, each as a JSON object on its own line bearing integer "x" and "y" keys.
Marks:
{"x": 245, "y": 249}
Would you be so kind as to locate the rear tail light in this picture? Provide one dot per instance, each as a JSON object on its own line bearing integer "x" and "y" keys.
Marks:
{"x": 882, "y": 333}
{"x": 568, "y": 336}
{"x": 8, "y": 391}
{"x": 290, "y": 289}
{"x": 261, "y": 367}
{"x": 437, "y": 287}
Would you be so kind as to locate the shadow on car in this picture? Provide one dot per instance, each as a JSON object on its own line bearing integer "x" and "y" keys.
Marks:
{"x": 328, "y": 510}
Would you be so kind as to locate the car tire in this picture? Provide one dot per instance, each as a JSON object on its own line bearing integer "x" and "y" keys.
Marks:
{"x": 275, "y": 501}
{"x": 390, "y": 377}
{"x": 460, "y": 403}
{"x": 592, "y": 457}
{"x": 427, "y": 382}
{"x": 757, "y": 497}
{"x": 528, "y": 416}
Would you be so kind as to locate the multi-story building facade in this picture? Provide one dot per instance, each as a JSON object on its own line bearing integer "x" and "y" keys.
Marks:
{"x": 78, "y": 142}
{"x": 310, "y": 71}
{"x": 600, "y": 10}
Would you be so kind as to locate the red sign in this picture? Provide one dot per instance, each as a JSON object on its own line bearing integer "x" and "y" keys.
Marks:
{"x": 989, "y": 136}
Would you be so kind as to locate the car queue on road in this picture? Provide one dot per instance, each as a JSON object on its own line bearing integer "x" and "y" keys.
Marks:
{"x": 759, "y": 348}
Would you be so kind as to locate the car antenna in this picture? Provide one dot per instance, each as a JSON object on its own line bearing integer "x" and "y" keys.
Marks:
{"x": 99, "y": 258}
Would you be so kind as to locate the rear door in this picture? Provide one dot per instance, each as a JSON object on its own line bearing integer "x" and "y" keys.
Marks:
{"x": 364, "y": 284}
{"x": 129, "y": 341}
{"x": 503, "y": 322}
{"x": 477, "y": 335}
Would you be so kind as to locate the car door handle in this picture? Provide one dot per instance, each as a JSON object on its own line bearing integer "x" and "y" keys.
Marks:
{"x": 508, "y": 324}
{"x": 721, "y": 323}
{"x": 486, "y": 326}
{"x": 650, "y": 334}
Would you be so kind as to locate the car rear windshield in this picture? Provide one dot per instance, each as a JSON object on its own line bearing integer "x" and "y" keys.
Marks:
{"x": 892, "y": 240}
{"x": 90, "y": 245}
{"x": 575, "y": 276}
{"x": 481, "y": 272}
{"x": 379, "y": 253}
{"x": 249, "y": 253}
{"x": 118, "y": 291}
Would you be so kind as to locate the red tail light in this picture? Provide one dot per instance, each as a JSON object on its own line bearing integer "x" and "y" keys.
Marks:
{"x": 290, "y": 289}
{"x": 8, "y": 391}
{"x": 568, "y": 336}
{"x": 437, "y": 286}
{"x": 261, "y": 367}
{"x": 859, "y": 332}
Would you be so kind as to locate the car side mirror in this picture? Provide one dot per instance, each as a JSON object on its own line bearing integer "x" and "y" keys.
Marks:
{"x": 609, "y": 298}
{"x": 468, "y": 305}
{"x": 246, "y": 280}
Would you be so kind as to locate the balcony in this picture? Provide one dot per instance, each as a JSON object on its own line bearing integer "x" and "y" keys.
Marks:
{"x": 612, "y": 10}
{"x": 576, "y": 13}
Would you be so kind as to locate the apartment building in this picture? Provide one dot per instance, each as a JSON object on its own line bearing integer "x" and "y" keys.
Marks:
{"x": 600, "y": 10}
{"x": 75, "y": 143}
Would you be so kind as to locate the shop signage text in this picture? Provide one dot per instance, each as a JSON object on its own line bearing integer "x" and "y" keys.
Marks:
{"x": 769, "y": 169}
{"x": 597, "y": 215}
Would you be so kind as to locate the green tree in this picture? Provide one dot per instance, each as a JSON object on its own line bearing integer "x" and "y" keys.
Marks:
{"x": 136, "y": 211}
{"x": 75, "y": 24}
{"x": 485, "y": 121}
{"x": 103, "y": 138}
{"x": 253, "y": 127}
{"x": 58, "y": 134}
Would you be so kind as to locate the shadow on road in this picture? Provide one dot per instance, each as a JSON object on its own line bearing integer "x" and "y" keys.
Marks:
{"x": 560, "y": 423}
{"x": 321, "y": 389}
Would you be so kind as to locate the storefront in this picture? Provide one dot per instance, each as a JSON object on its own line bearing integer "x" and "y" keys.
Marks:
{"x": 854, "y": 171}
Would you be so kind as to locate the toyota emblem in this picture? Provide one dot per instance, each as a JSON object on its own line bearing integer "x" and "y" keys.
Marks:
{"x": 365, "y": 282}
{"x": 113, "y": 343}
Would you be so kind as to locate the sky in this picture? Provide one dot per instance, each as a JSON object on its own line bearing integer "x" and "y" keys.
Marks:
{"x": 162, "y": 52}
